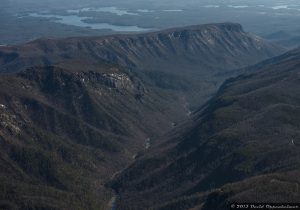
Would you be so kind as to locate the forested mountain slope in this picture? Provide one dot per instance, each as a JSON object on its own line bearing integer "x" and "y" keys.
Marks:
{"x": 249, "y": 129}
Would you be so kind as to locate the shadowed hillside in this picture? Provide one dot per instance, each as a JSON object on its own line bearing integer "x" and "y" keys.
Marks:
{"x": 250, "y": 128}
{"x": 64, "y": 134}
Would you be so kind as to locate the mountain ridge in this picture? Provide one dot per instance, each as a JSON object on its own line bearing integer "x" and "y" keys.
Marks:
{"x": 150, "y": 43}
{"x": 183, "y": 62}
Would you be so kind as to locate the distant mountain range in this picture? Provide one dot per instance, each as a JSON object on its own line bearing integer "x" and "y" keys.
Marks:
{"x": 76, "y": 112}
{"x": 289, "y": 40}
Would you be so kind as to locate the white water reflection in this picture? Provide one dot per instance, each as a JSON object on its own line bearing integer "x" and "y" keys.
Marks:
{"x": 114, "y": 10}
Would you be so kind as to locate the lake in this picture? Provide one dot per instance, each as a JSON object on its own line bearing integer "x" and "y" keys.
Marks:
{"x": 76, "y": 20}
